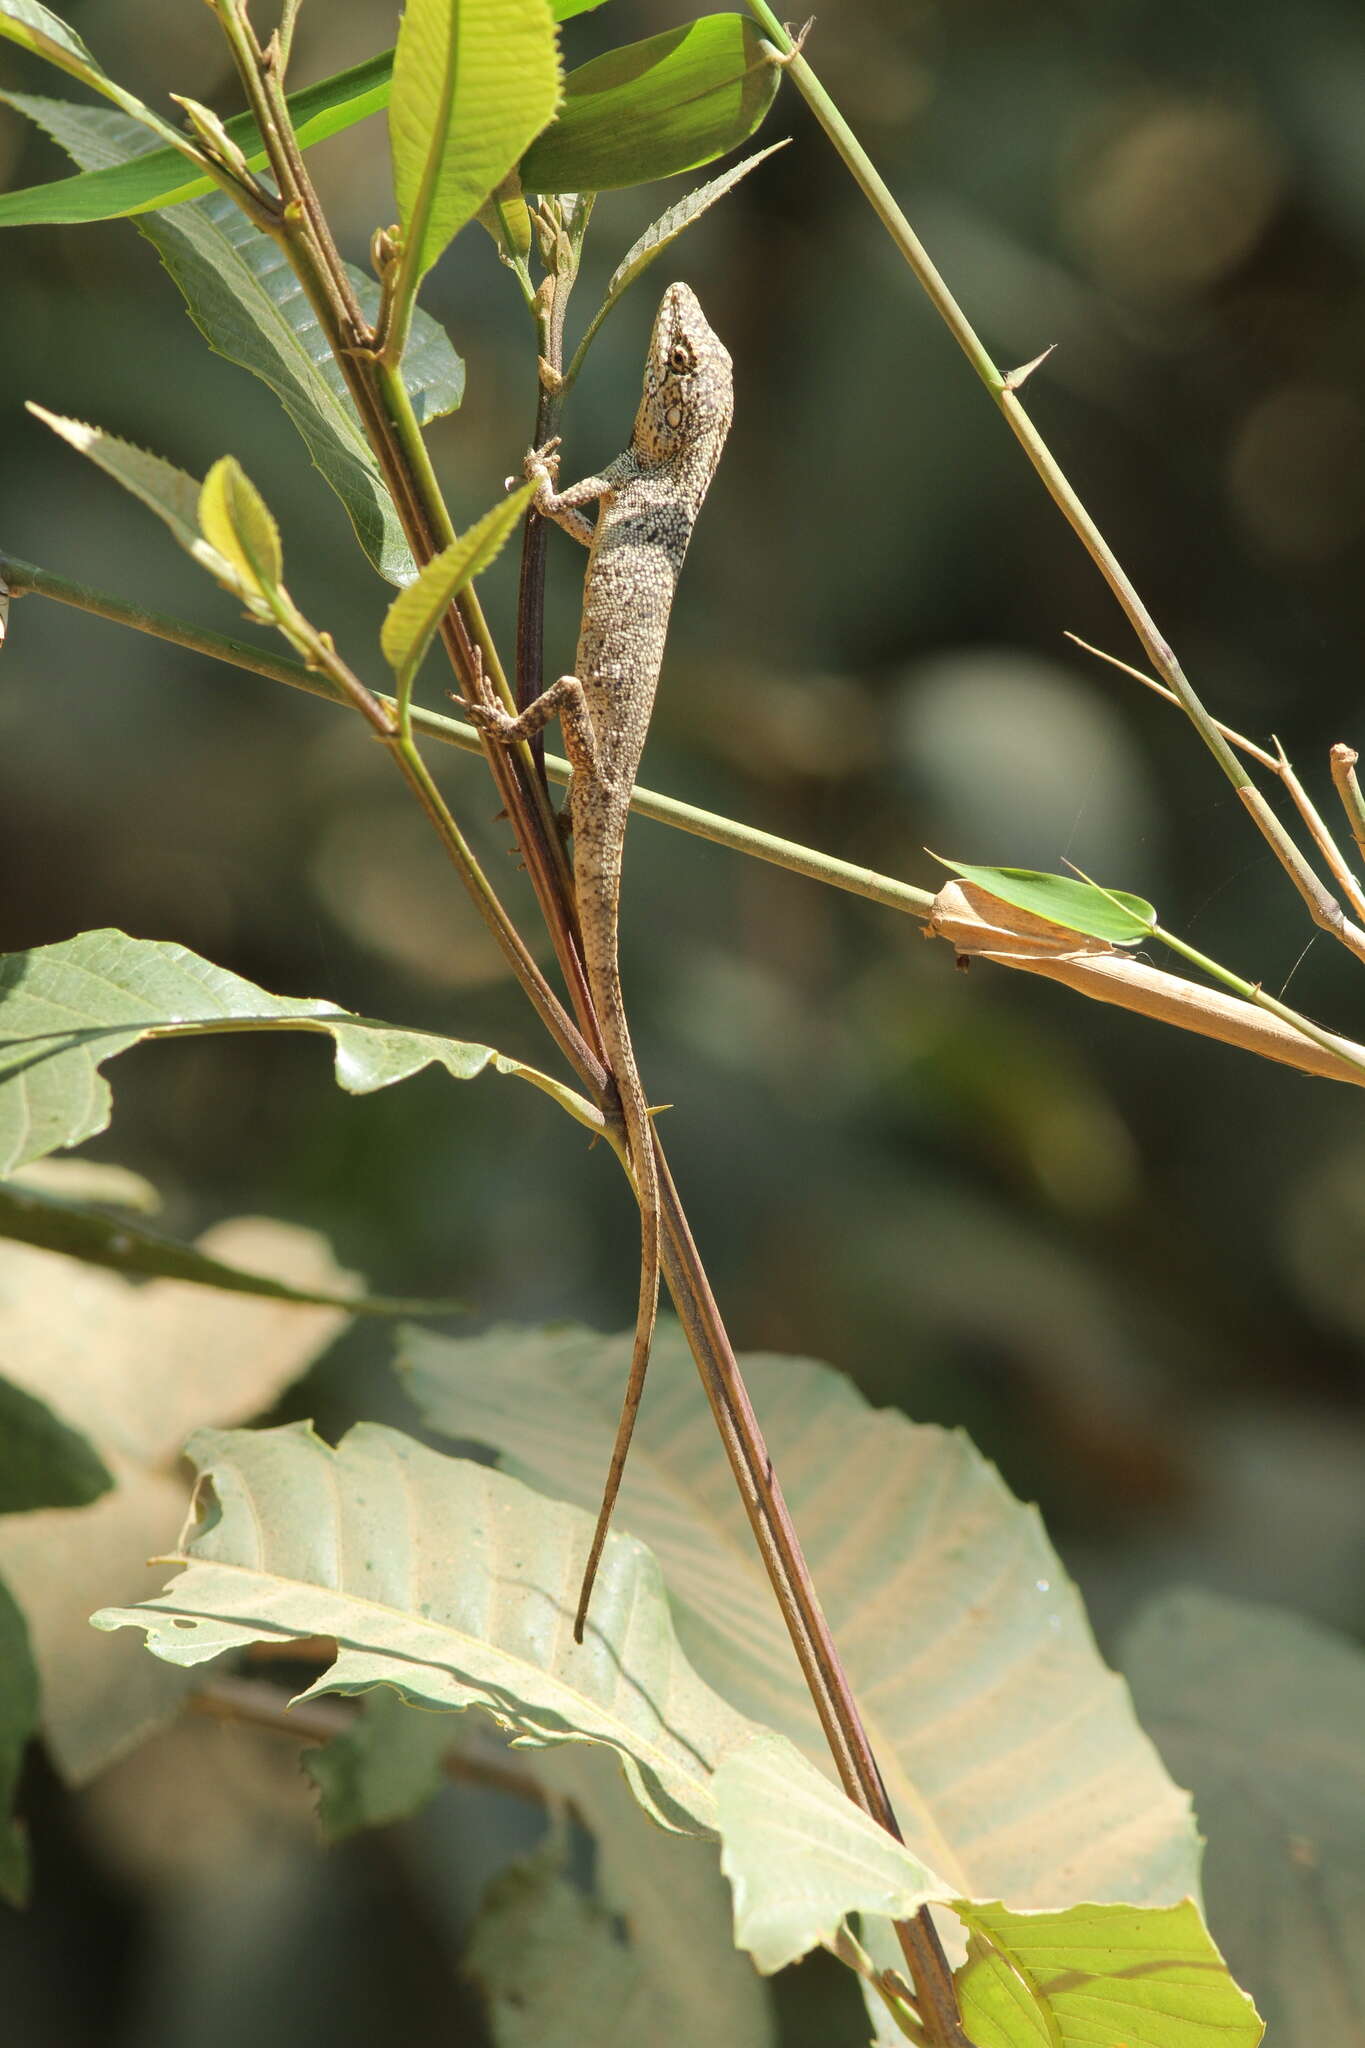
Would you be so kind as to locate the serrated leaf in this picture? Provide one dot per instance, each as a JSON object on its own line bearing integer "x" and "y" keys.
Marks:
{"x": 651, "y": 109}
{"x": 135, "y": 1368}
{"x": 1146, "y": 1977}
{"x": 252, "y": 310}
{"x": 800, "y": 1856}
{"x": 1261, "y": 1712}
{"x": 473, "y": 82}
{"x": 18, "y": 1724}
{"x": 43, "y": 1462}
{"x": 1011, "y": 1754}
{"x": 235, "y": 520}
{"x": 159, "y": 178}
{"x": 169, "y": 492}
{"x": 1115, "y": 915}
{"x": 76, "y": 1231}
{"x": 448, "y": 1581}
{"x": 66, "y": 1009}
{"x": 417, "y": 612}
{"x": 37, "y": 29}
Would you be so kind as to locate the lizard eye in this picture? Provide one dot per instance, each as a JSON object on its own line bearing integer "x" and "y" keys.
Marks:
{"x": 680, "y": 358}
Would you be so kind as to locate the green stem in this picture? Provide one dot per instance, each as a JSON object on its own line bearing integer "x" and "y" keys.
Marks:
{"x": 1252, "y": 992}
{"x": 892, "y": 894}
{"x": 1321, "y": 905}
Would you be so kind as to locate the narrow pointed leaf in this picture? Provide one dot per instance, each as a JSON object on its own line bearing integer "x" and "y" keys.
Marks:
{"x": 1011, "y": 1753}
{"x": 800, "y": 1856}
{"x": 235, "y": 520}
{"x": 661, "y": 232}
{"x": 1146, "y": 1977}
{"x": 449, "y": 1582}
{"x": 169, "y": 492}
{"x": 650, "y": 109}
{"x": 19, "y": 1707}
{"x": 416, "y": 612}
{"x": 37, "y": 29}
{"x": 1261, "y": 1713}
{"x": 44, "y": 1463}
{"x": 1115, "y": 915}
{"x": 79, "y": 1231}
{"x": 252, "y": 310}
{"x": 473, "y": 82}
{"x": 66, "y": 1009}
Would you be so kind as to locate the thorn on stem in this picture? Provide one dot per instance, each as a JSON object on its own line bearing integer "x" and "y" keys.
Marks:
{"x": 1016, "y": 379}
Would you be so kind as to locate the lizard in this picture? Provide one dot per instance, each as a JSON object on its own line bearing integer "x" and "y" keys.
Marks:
{"x": 648, "y": 499}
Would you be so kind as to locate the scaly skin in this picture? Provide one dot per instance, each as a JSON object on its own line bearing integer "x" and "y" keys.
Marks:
{"x": 647, "y": 503}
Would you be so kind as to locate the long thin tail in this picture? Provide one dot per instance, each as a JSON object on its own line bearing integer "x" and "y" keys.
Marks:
{"x": 640, "y": 1133}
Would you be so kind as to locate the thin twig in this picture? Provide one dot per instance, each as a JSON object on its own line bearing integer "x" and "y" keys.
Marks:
{"x": 1278, "y": 763}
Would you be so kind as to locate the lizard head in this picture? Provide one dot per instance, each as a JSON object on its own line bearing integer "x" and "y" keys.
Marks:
{"x": 689, "y": 391}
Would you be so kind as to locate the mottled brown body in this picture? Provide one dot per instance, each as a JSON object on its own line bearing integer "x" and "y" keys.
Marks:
{"x": 647, "y": 504}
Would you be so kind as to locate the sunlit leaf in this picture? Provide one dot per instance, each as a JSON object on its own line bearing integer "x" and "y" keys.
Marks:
{"x": 1262, "y": 1714}
{"x": 666, "y": 229}
{"x": 448, "y": 1581}
{"x": 235, "y": 519}
{"x": 159, "y": 178}
{"x": 1112, "y": 914}
{"x": 650, "y": 109}
{"x": 800, "y": 1856}
{"x": 473, "y": 82}
{"x": 67, "y": 1008}
{"x": 1143, "y": 1977}
{"x": 1011, "y": 1754}
{"x": 252, "y": 310}
{"x": 417, "y": 612}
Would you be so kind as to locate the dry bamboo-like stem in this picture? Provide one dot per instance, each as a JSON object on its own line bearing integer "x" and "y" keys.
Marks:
{"x": 980, "y": 926}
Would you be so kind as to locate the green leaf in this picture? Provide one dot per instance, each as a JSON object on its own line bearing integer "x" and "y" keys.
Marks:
{"x": 52, "y": 1223}
{"x": 650, "y": 109}
{"x": 1141, "y": 1977}
{"x": 235, "y": 520}
{"x": 416, "y": 612}
{"x": 37, "y": 29}
{"x": 558, "y": 1966}
{"x": 1114, "y": 915}
{"x": 66, "y": 1009}
{"x": 134, "y": 1369}
{"x": 159, "y": 178}
{"x": 672, "y": 1906}
{"x": 1261, "y": 1713}
{"x": 668, "y": 1904}
{"x": 800, "y": 1856}
{"x": 473, "y": 82}
{"x": 1010, "y": 1752}
{"x": 18, "y": 1724}
{"x": 252, "y": 310}
{"x": 169, "y": 492}
{"x": 661, "y": 232}
{"x": 449, "y": 1582}
{"x": 384, "y": 1767}
{"x": 43, "y": 1463}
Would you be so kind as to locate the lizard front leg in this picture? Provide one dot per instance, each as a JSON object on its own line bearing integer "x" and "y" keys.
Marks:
{"x": 563, "y": 506}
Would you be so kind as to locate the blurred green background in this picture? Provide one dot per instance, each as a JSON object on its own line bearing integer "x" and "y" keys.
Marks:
{"x": 1128, "y": 1262}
